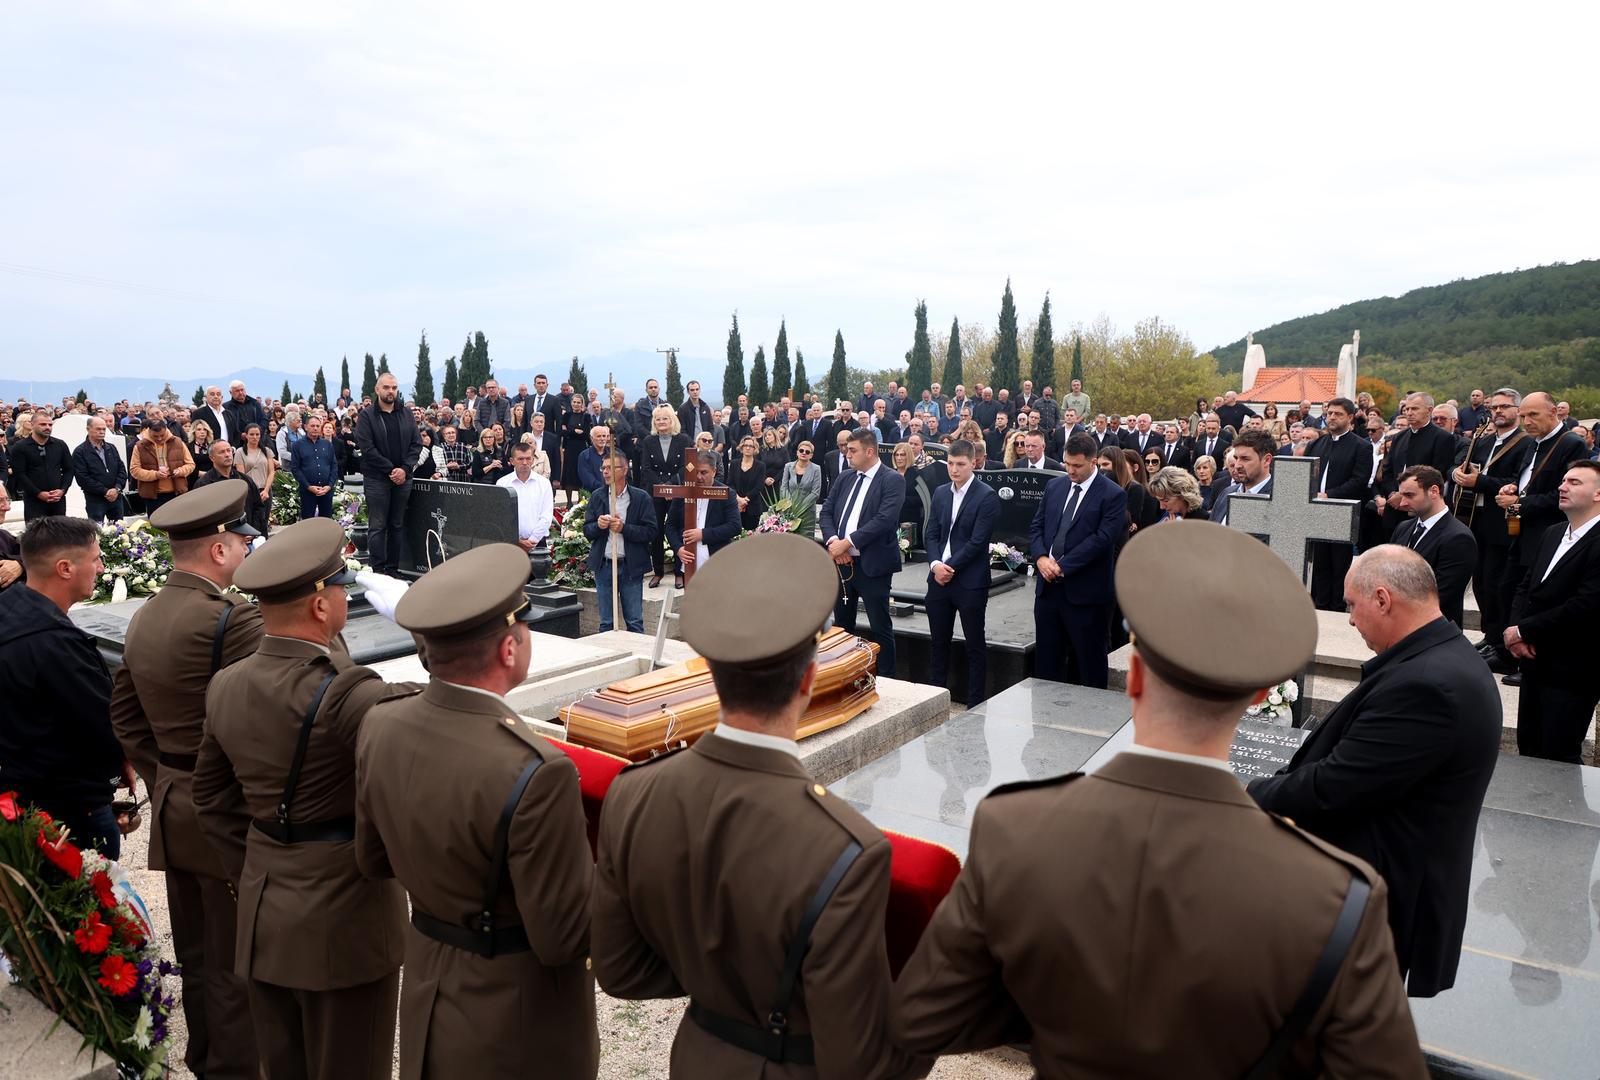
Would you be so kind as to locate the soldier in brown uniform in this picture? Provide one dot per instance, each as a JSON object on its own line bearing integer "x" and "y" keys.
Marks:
{"x": 177, "y": 641}
{"x": 1149, "y": 919}
{"x": 275, "y": 789}
{"x": 726, "y": 873}
{"x": 481, "y": 820}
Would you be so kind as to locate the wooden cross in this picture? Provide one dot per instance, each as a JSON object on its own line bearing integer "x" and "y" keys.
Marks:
{"x": 688, "y": 492}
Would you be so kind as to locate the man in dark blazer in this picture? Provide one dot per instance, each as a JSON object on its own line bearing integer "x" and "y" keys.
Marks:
{"x": 389, "y": 442}
{"x": 634, "y": 528}
{"x": 861, "y": 526}
{"x": 1536, "y": 493}
{"x": 960, "y": 526}
{"x": 1211, "y": 442}
{"x": 543, "y": 401}
{"x": 1344, "y": 470}
{"x": 215, "y": 417}
{"x": 694, "y": 415}
{"x": 240, "y": 411}
{"x": 1252, "y": 472}
{"x": 1035, "y": 458}
{"x": 1174, "y": 449}
{"x": 41, "y": 470}
{"x": 1142, "y": 437}
{"x": 716, "y": 521}
{"x": 815, "y": 429}
{"x": 868, "y": 400}
{"x": 1072, "y": 543}
{"x": 1497, "y": 459}
{"x": 1397, "y": 772}
{"x": 834, "y": 462}
{"x": 100, "y": 473}
{"x": 1422, "y": 442}
{"x": 1553, "y": 617}
{"x": 1434, "y": 533}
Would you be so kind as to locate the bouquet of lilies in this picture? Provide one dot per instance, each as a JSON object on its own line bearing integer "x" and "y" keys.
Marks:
{"x": 1278, "y": 706}
{"x": 137, "y": 561}
{"x": 1007, "y": 556}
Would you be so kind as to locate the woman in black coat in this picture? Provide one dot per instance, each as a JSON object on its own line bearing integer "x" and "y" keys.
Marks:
{"x": 575, "y": 426}
{"x": 774, "y": 456}
{"x": 662, "y": 455}
{"x": 748, "y": 478}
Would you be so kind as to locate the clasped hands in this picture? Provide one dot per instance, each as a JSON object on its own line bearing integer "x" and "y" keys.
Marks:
{"x": 1507, "y": 498}
{"x": 614, "y": 524}
{"x": 1048, "y": 568}
{"x": 1516, "y": 646}
{"x": 839, "y": 550}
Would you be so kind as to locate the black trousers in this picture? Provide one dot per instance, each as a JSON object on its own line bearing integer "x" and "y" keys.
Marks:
{"x": 386, "y": 520}
{"x": 1329, "y": 564}
{"x": 100, "y": 510}
{"x": 1552, "y": 720}
{"x": 874, "y": 593}
{"x": 1060, "y": 626}
{"x": 1489, "y": 586}
{"x": 658, "y": 546}
{"x": 944, "y": 603}
{"x": 33, "y": 508}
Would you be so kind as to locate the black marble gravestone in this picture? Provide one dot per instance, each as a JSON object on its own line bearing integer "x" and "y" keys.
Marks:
{"x": 1021, "y": 492}
{"x": 446, "y": 517}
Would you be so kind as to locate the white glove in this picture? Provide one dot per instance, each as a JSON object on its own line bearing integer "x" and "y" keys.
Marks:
{"x": 383, "y": 592}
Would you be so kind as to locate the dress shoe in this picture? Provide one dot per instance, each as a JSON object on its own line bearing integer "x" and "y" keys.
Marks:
{"x": 1501, "y": 662}
{"x": 655, "y": 581}
{"x": 677, "y": 581}
{"x": 1514, "y": 679}
{"x": 1486, "y": 647}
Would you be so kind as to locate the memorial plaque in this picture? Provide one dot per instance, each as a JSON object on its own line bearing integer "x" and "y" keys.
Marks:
{"x": 1021, "y": 492}
{"x": 447, "y": 517}
{"x": 1261, "y": 749}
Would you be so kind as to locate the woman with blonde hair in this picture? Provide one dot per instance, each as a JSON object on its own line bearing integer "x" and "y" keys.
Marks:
{"x": 804, "y": 475}
{"x": 662, "y": 455}
{"x": 774, "y": 456}
{"x": 1177, "y": 493}
{"x": 1016, "y": 449}
{"x": 911, "y": 508}
{"x": 200, "y": 437}
{"x": 748, "y": 477}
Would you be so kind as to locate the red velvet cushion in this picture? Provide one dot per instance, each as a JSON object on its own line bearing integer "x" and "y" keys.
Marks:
{"x": 920, "y": 873}
{"x": 596, "y": 770}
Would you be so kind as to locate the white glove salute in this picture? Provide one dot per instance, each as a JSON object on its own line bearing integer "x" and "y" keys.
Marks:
{"x": 383, "y": 592}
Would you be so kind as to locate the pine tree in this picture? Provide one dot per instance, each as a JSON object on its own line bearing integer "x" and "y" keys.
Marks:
{"x": 83, "y": 396}
{"x": 579, "y": 378}
{"x": 383, "y": 363}
{"x": 448, "y": 390}
{"x": 919, "y": 361}
{"x": 200, "y": 395}
{"x": 480, "y": 355}
{"x": 369, "y": 377}
{"x": 1007, "y": 361}
{"x": 760, "y": 392}
{"x": 802, "y": 386}
{"x": 422, "y": 386}
{"x": 838, "y": 374}
{"x": 952, "y": 361}
{"x": 733, "y": 372}
{"x": 344, "y": 374}
{"x": 1077, "y": 358}
{"x": 782, "y": 380}
{"x": 674, "y": 381}
{"x": 319, "y": 387}
{"x": 1043, "y": 369}
{"x": 285, "y": 396}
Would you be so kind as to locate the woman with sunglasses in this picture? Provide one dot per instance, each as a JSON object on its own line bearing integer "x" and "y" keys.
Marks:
{"x": 1016, "y": 451}
{"x": 803, "y": 474}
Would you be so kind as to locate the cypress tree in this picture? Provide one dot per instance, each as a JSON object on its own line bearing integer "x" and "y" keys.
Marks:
{"x": 1043, "y": 370}
{"x": 383, "y": 363}
{"x": 422, "y": 386}
{"x": 579, "y": 378}
{"x": 1077, "y": 358}
{"x": 200, "y": 395}
{"x": 369, "y": 377}
{"x": 466, "y": 369}
{"x": 344, "y": 374}
{"x": 448, "y": 390}
{"x": 480, "y": 355}
{"x": 919, "y": 361}
{"x": 952, "y": 360}
{"x": 674, "y": 381}
{"x": 802, "y": 387}
{"x": 782, "y": 380}
{"x": 320, "y": 385}
{"x": 760, "y": 392}
{"x": 733, "y": 371}
{"x": 83, "y": 396}
{"x": 284, "y": 397}
{"x": 1007, "y": 360}
{"x": 838, "y": 374}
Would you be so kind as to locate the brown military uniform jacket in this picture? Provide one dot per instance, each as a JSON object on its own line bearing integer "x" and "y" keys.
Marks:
{"x": 308, "y": 919}
{"x": 158, "y": 704}
{"x": 1150, "y": 920}
{"x": 432, "y": 775}
{"x": 707, "y": 860}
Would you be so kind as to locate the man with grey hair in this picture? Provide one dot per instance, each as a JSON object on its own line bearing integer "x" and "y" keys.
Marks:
{"x": 1496, "y": 460}
{"x": 240, "y": 411}
{"x": 215, "y": 417}
{"x": 1397, "y": 772}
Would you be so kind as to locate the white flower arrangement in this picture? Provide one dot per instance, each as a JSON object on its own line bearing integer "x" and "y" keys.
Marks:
{"x": 1278, "y": 707}
{"x": 1006, "y": 555}
{"x": 137, "y": 560}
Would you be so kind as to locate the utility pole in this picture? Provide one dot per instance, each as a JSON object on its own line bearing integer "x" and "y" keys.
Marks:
{"x": 672, "y": 352}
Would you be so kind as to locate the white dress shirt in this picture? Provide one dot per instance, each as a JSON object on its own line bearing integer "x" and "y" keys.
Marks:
{"x": 863, "y": 485}
{"x": 1569, "y": 540}
{"x": 1173, "y": 755}
{"x": 535, "y": 504}
{"x": 1527, "y": 470}
{"x": 756, "y": 738}
{"x": 957, "y": 494}
{"x": 1424, "y": 526}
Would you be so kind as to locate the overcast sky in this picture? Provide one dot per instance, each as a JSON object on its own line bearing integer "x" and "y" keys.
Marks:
{"x": 278, "y": 184}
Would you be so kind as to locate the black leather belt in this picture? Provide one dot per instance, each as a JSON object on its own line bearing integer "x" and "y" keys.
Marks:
{"x": 331, "y": 831}
{"x": 185, "y": 762}
{"x": 773, "y": 1043}
{"x": 497, "y": 942}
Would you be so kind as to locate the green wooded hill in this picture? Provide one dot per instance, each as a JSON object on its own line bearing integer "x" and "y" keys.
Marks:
{"x": 1536, "y": 328}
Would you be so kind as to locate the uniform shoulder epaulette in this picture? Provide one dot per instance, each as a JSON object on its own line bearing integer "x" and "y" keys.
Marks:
{"x": 660, "y": 755}
{"x": 1030, "y": 785}
{"x": 844, "y": 815}
{"x": 1359, "y": 865}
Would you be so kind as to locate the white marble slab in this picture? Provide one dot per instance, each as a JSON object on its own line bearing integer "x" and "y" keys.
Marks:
{"x": 552, "y": 656}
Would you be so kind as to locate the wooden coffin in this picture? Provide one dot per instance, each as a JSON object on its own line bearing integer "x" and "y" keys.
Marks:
{"x": 640, "y": 717}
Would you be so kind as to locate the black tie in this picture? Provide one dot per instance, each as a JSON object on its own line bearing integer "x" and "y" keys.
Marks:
{"x": 1059, "y": 547}
{"x": 814, "y": 424}
{"x": 1416, "y": 537}
{"x": 849, "y": 504}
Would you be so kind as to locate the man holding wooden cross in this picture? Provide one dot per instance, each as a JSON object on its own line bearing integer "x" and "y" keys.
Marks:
{"x": 711, "y": 520}
{"x": 625, "y": 516}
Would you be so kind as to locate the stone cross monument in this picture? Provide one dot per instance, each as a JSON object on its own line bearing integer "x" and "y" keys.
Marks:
{"x": 1292, "y": 516}
{"x": 1345, "y": 378}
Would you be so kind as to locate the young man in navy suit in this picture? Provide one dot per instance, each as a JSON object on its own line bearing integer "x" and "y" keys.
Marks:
{"x": 1073, "y": 546}
{"x": 861, "y": 526}
{"x": 718, "y": 521}
{"x": 960, "y": 526}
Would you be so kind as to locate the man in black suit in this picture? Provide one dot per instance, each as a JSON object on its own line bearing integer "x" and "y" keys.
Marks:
{"x": 1141, "y": 438}
{"x": 100, "y": 473}
{"x": 1422, "y": 442}
{"x": 544, "y": 402}
{"x": 1252, "y": 472}
{"x": 694, "y": 415}
{"x": 996, "y": 437}
{"x": 1212, "y": 442}
{"x": 1174, "y": 450}
{"x": 960, "y": 527}
{"x": 1435, "y": 534}
{"x": 41, "y": 470}
{"x": 389, "y": 442}
{"x": 1344, "y": 471}
{"x": 215, "y": 417}
{"x": 985, "y": 410}
{"x": 1033, "y": 448}
{"x": 861, "y": 525}
{"x": 1497, "y": 460}
{"x": 713, "y": 523}
{"x": 834, "y": 462}
{"x": 1553, "y": 618}
{"x": 1536, "y": 494}
{"x": 1397, "y": 772}
{"x": 1072, "y": 542}
{"x": 815, "y": 429}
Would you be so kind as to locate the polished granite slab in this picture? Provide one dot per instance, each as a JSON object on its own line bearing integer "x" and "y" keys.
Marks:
{"x": 1528, "y": 989}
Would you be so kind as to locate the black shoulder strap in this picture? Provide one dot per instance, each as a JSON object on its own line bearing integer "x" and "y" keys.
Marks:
{"x": 778, "y": 1019}
{"x": 218, "y": 636}
{"x": 502, "y": 841}
{"x": 1322, "y": 976}
{"x": 287, "y": 800}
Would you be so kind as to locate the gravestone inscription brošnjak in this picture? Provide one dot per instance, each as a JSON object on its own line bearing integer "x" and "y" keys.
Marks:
{"x": 447, "y": 517}
{"x": 1021, "y": 492}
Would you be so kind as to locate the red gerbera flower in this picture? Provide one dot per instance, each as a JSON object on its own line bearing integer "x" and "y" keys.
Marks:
{"x": 118, "y": 976}
{"x": 132, "y": 930}
{"x": 67, "y": 859}
{"x": 104, "y": 891}
{"x": 93, "y": 936}
{"x": 8, "y": 806}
